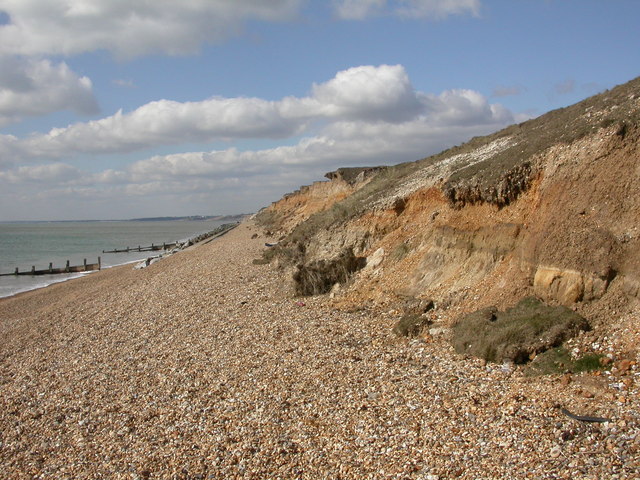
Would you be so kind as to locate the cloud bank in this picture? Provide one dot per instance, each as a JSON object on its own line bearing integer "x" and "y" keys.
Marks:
{"x": 358, "y": 99}
{"x": 364, "y": 115}
{"x": 32, "y": 86}
{"x": 129, "y": 28}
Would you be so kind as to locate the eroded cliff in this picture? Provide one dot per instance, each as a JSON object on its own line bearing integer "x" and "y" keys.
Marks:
{"x": 548, "y": 208}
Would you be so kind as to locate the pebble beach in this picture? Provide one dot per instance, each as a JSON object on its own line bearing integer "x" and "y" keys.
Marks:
{"x": 203, "y": 366}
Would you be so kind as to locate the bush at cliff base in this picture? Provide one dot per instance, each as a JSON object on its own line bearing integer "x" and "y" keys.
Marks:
{"x": 518, "y": 333}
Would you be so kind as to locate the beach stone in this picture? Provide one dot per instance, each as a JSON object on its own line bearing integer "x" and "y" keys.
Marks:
{"x": 623, "y": 366}
{"x": 165, "y": 372}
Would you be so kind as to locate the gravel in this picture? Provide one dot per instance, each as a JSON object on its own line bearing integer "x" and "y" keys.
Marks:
{"x": 201, "y": 366}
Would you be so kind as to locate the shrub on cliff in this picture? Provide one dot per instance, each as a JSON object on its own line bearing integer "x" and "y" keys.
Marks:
{"x": 269, "y": 220}
{"x": 518, "y": 333}
{"x": 317, "y": 277}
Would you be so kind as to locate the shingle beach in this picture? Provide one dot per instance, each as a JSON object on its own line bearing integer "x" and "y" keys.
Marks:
{"x": 202, "y": 366}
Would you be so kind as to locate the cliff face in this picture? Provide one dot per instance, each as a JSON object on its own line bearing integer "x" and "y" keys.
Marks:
{"x": 548, "y": 208}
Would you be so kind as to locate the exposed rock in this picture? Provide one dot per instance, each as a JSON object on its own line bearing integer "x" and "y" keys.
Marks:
{"x": 567, "y": 286}
{"x": 463, "y": 256}
{"x": 375, "y": 259}
{"x": 410, "y": 325}
{"x": 545, "y": 207}
{"x": 353, "y": 175}
{"x": 464, "y": 191}
{"x": 631, "y": 286}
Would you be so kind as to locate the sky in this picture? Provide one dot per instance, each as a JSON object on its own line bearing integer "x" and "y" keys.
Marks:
{"x": 114, "y": 109}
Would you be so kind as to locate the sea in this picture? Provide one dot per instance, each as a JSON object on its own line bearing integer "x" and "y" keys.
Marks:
{"x": 27, "y": 244}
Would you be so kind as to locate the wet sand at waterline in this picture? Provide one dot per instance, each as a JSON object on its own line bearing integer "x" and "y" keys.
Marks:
{"x": 202, "y": 366}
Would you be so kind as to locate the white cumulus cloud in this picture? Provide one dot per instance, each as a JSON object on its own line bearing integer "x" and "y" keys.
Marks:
{"x": 436, "y": 9}
{"x": 166, "y": 122}
{"x": 369, "y": 93}
{"x": 465, "y": 107}
{"x": 129, "y": 28}
{"x": 30, "y": 87}
{"x": 54, "y": 172}
{"x": 362, "y": 116}
{"x": 375, "y": 93}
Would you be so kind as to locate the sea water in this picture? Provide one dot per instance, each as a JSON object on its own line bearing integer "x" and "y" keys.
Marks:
{"x": 27, "y": 244}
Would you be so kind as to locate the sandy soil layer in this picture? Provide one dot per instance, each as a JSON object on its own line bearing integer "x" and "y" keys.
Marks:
{"x": 199, "y": 366}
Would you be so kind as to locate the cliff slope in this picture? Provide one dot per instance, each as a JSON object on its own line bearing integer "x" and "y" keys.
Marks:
{"x": 547, "y": 208}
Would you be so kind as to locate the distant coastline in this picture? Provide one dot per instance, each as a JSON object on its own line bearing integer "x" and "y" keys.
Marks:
{"x": 191, "y": 218}
{"x": 223, "y": 218}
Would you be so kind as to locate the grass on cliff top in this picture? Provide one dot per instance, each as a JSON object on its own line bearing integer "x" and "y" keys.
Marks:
{"x": 517, "y": 334}
{"x": 565, "y": 125}
{"x": 268, "y": 219}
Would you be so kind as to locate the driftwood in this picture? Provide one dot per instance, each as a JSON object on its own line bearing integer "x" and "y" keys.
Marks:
{"x": 583, "y": 418}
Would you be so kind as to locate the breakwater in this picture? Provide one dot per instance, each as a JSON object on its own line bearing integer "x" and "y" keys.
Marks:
{"x": 85, "y": 267}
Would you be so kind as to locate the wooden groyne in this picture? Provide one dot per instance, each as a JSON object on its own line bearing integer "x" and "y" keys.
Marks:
{"x": 85, "y": 267}
{"x": 219, "y": 231}
{"x": 88, "y": 267}
{"x": 150, "y": 248}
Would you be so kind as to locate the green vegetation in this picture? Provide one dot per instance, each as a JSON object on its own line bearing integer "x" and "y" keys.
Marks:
{"x": 518, "y": 333}
{"x": 558, "y": 360}
{"x": 501, "y": 178}
{"x": 318, "y": 277}
{"x": 268, "y": 219}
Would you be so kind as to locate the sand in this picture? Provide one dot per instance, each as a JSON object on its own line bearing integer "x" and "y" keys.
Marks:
{"x": 202, "y": 366}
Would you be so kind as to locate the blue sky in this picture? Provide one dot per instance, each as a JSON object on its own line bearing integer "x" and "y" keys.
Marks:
{"x": 127, "y": 108}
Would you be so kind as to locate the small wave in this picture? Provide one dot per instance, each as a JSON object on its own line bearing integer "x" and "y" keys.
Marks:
{"x": 10, "y": 286}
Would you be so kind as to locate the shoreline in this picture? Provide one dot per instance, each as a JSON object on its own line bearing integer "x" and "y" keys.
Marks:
{"x": 199, "y": 238}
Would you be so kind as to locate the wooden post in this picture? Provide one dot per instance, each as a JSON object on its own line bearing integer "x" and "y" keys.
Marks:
{"x": 85, "y": 264}
{"x": 50, "y": 267}
{"x": 99, "y": 264}
{"x": 66, "y": 269}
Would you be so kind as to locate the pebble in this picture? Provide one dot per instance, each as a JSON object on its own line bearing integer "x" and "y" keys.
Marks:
{"x": 203, "y": 366}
